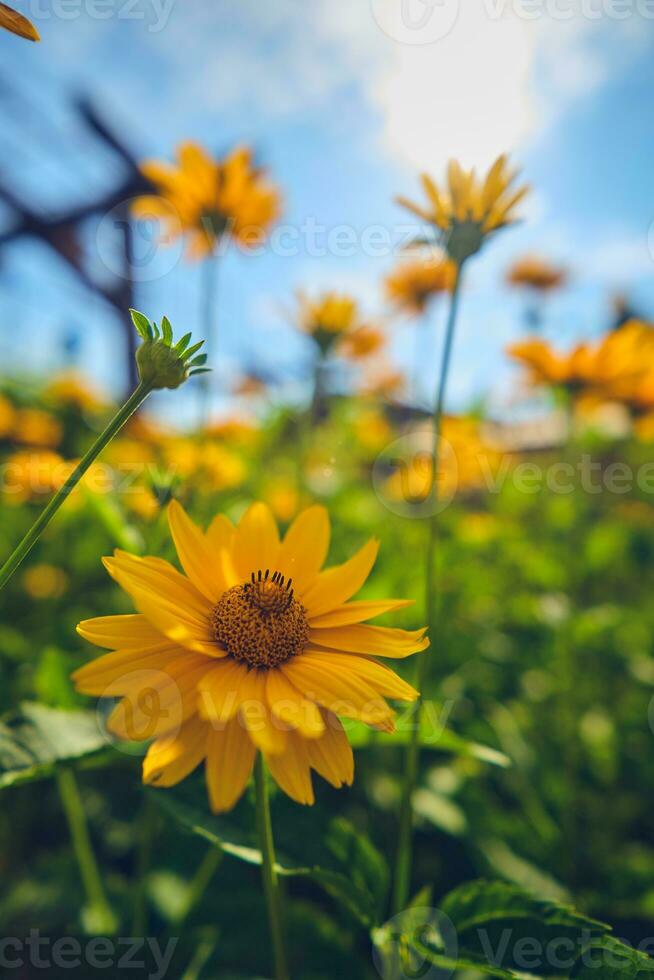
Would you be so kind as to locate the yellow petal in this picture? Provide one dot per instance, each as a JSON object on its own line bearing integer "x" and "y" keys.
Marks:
{"x": 377, "y": 676}
{"x": 12, "y": 21}
{"x": 291, "y": 771}
{"x": 342, "y": 692}
{"x": 222, "y": 690}
{"x": 173, "y": 757}
{"x": 158, "y": 701}
{"x": 256, "y": 541}
{"x": 122, "y": 632}
{"x": 220, "y": 533}
{"x": 379, "y": 641}
{"x": 230, "y": 756}
{"x": 305, "y": 548}
{"x": 268, "y": 733}
{"x": 104, "y": 672}
{"x": 171, "y": 603}
{"x": 331, "y": 756}
{"x": 336, "y": 585}
{"x": 291, "y": 707}
{"x": 358, "y": 612}
{"x": 199, "y": 560}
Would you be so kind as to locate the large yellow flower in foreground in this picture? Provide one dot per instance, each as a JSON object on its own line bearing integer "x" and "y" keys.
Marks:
{"x": 12, "y": 21}
{"x": 207, "y": 199}
{"x": 253, "y": 648}
{"x": 468, "y": 209}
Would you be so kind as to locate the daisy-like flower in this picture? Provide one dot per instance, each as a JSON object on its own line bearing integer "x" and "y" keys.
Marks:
{"x": 536, "y": 274}
{"x": 207, "y": 199}
{"x": 252, "y": 648}
{"x": 12, "y": 21}
{"x": 415, "y": 282}
{"x": 468, "y": 209}
{"x": 361, "y": 343}
{"x": 328, "y": 317}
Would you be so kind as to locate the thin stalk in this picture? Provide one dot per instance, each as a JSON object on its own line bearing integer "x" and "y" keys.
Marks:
{"x": 147, "y": 829}
{"x": 410, "y": 775}
{"x": 209, "y": 320}
{"x": 139, "y": 394}
{"x": 102, "y": 916}
{"x": 199, "y": 882}
{"x": 269, "y": 871}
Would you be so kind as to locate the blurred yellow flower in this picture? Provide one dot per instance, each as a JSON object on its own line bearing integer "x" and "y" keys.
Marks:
{"x": 7, "y": 417}
{"x": 208, "y": 199}
{"x": 327, "y": 317}
{"x": 361, "y": 342}
{"x": 254, "y": 648}
{"x": 31, "y": 475}
{"x": 221, "y": 468}
{"x": 372, "y": 429}
{"x": 415, "y": 281}
{"x": 282, "y": 495}
{"x": 34, "y": 427}
{"x": 141, "y": 502}
{"x": 602, "y": 370}
{"x": 44, "y": 581}
{"x": 241, "y": 431}
{"x": 12, "y": 21}
{"x": 536, "y": 273}
{"x": 72, "y": 389}
{"x": 384, "y": 381}
{"x": 468, "y": 209}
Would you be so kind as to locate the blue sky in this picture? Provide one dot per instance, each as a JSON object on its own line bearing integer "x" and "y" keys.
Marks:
{"x": 344, "y": 108}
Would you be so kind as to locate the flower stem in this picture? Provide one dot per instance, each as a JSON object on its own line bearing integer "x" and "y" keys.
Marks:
{"x": 103, "y": 919}
{"x": 209, "y": 297}
{"x": 139, "y": 394}
{"x": 410, "y": 774}
{"x": 200, "y": 882}
{"x": 269, "y": 872}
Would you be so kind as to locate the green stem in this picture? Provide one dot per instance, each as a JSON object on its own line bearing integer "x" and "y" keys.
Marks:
{"x": 146, "y": 833}
{"x": 200, "y": 882}
{"x": 412, "y": 757}
{"x": 103, "y": 919}
{"x": 209, "y": 319}
{"x": 269, "y": 872}
{"x": 139, "y": 394}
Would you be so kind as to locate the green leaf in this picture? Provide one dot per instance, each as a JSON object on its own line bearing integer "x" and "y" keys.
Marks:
{"x": 342, "y": 861}
{"x": 167, "y": 331}
{"x": 198, "y": 361}
{"x": 36, "y": 737}
{"x": 183, "y": 343}
{"x": 433, "y": 735}
{"x": 609, "y": 959}
{"x": 199, "y": 371}
{"x": 511, "y": 929}
{"x": 142, "y": 324}
{"x": 192, "y": 350}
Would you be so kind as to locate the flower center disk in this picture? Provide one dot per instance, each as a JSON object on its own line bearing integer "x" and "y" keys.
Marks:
{"x": 261, "y": 623}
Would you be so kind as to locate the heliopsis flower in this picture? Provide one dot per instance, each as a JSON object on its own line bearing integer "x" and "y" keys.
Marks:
{"x": 32, "y": 475}
{"x": 44, "y": 581}
{"x": 361, "y": 342}
{"x": 327, "y": 317}
{"x": 415, "y": 281}
{"x": 34, "y": 427}
{"x": 600, "y": 370}
{"x": 252, "y": 648}
{"x": 12, "y": 21}
{"x": 536, "y": 273}
{"x": 7, "y": 417}
{"x": 383, "y": 381}
{"x": 72, "y": 390}
{"x": 208, "y": 199}
{"x": 468, "y": 209}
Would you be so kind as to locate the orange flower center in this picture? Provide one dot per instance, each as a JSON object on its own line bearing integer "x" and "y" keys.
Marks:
{"x": 261, "y": 623}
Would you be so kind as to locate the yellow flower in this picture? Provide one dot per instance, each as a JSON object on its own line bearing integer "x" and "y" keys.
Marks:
{"x": 414, "y": 282}
{"x": 7, "y": 417}
{"x": 73, "y": 390}
{"x": 468, "y": 209}
{"x": 372, "y": 429}
{"x": 327, "y": 317}
{"x": 602, "y": 370}
{"x": 34, "y": 427}
{"x": 207, "y": 199}
{"x": 12, "y": 21}
{"x": 536, "y": 273}
{"x": 383, "y": 381}
{"x": 283, "y": 497}
{"x": 361, "y": 343}
{"x": 44, "y": 581}
{"x": 32, "y": 475}
{"x": 253, "y": 648}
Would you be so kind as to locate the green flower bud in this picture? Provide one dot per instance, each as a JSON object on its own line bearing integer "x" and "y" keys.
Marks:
{"x": 161, "y": 363}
